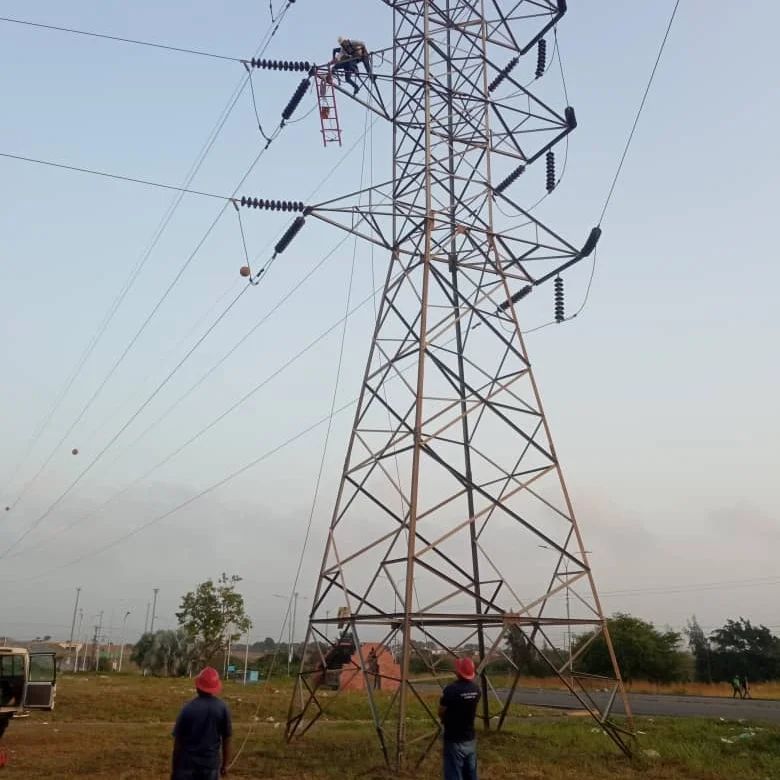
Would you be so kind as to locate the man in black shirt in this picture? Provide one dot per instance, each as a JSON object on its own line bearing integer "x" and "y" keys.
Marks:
{"x": 201, "y": 748}
{"x": 457, "y": 710}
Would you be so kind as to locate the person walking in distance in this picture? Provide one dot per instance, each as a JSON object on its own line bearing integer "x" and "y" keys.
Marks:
{"x": 745, "y": 686}
{"x": 202, "y": 734}
{"x": 457, "y": 710}
{"x": 373, "y": 669}
{"x": 736, "y": 687}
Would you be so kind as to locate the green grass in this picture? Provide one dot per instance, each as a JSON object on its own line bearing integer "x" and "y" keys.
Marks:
{"x": 119, "y": 728}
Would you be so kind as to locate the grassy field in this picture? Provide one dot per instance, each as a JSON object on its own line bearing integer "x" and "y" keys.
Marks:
{"x": 119, "y": 728}
{"x": 768, "y": 690}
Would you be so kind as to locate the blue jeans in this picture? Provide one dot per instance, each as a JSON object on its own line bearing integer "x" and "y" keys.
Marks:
{"x": 460, "y": 760}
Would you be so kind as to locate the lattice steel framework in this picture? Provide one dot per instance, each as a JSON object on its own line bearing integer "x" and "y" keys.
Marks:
{"x": 453, "y": 529}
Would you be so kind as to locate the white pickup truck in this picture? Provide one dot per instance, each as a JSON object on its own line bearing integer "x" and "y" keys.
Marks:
{"x": 28, "y": 681}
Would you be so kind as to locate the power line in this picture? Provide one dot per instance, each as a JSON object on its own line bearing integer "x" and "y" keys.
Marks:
{"x": 233, "y": 407}
{"x": 119, "y": 38}
{"x": 165, "y": 221}
{"x": 126, "y": 425}
{"x": 639, "y": 111}
{"x": 243, "y": 469}
{"x": 127, "y": 349}
{"x": 160, "y": 364}
{"x": 107, "y": 175}
{"x": 717, "y": 585}
{"x": 214, "y": 486}
{"x": 214, "y": 367}
{"x": 222, "y": 416}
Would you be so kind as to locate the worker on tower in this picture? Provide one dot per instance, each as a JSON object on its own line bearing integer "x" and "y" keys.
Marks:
{"x": 347, "y": 56}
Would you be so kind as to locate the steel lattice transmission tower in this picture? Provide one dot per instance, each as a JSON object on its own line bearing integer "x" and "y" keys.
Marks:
{"x": 453, "y": 531}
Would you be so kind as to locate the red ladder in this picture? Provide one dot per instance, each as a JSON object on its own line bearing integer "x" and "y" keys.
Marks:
{"x": 329, "y": 117}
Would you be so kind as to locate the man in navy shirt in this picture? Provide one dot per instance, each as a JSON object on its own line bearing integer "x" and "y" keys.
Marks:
{"x": 457, "y": 710}
{"x": 201, "y": 747}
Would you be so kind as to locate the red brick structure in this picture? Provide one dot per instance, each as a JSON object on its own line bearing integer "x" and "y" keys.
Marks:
{"x": 352, "y": 679}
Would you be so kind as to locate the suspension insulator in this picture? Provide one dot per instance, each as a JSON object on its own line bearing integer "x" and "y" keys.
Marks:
{"x": 550, "y": 171}
{"x": 541, "y": 57}
{"x": 503, "y": 73}
{"x": 295, "y": 99}
{"x": 279, "y": 64}
{"x": 509, "y": 179}
{"x": 289, "y": 235}
{"x": 518, "y": 296}
{"x": 271, "y": 205}
{"x": 559, "y": 302}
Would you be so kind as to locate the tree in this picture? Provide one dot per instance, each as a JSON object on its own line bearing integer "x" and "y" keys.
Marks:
{"x": 268, "y": 645}
{"x": 643, "y": 652}
{"x": 742, "y": 648}
{"x": 526, "y": 657}
{"x": 164, "y": 653}
{"x": 700, "y": 649}
{"x": 213, "y": 615}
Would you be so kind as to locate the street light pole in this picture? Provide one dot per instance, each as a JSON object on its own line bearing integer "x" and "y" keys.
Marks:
{"x": 122, "y": 641}
{"x": 291, "y": 624}
{"x": 568, "y": 600}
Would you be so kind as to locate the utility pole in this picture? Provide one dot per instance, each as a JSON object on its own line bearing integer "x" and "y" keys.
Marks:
{"x": 227, "y": 654}
{"x": 451, "y": 477}
{"x": 78, "y": 641}
{"x": 122, "y": 640}
{"x": 95, "y": 642}
{"x": 72, "y": 628}
{"x": 154, "y": 609}
{"x": 146, "y": 619}
{"x": 246, "y": 657}
{"x": 85, "y": 652}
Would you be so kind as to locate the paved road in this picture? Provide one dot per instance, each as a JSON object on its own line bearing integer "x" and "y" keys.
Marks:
{"x": 648, "y": 704}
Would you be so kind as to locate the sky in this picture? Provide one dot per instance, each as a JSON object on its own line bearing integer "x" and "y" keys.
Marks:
{"x": 661, "y": 395}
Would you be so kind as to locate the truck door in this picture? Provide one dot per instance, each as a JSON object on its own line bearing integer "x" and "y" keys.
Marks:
{"x": 11, "y": 682}
{"x": 41, "y": 682}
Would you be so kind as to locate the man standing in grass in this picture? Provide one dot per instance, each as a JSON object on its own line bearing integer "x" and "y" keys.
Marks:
{"x": 201, "y": 747}
{"x": 457, "y": 710}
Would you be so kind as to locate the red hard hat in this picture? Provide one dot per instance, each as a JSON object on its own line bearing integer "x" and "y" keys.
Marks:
{"x": 464, "y": 668}
{"x": 208, "y": 681}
